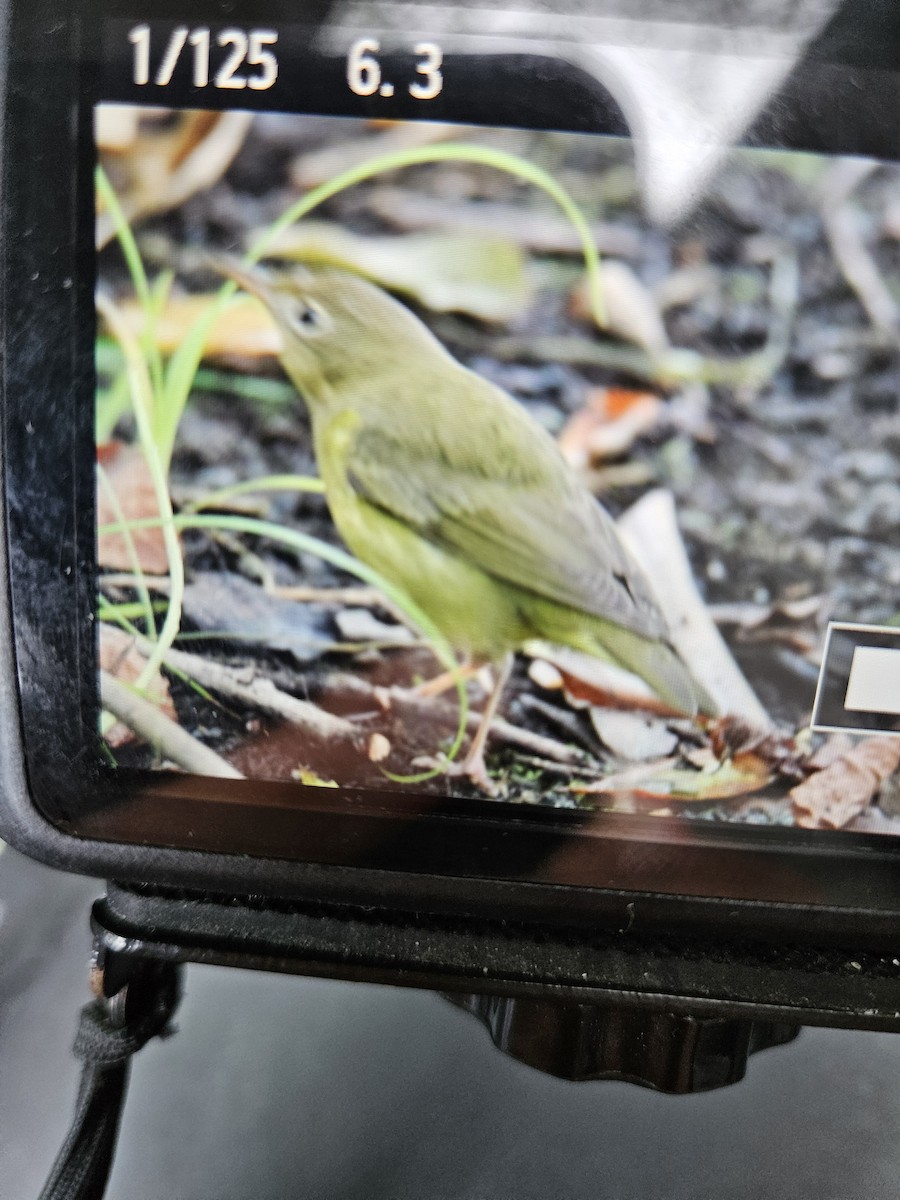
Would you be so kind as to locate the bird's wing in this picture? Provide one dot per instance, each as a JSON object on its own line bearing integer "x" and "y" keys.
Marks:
{"x": 493, "y": 487}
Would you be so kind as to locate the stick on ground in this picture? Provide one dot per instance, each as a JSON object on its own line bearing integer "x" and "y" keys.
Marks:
{"x": 160, "y": 731}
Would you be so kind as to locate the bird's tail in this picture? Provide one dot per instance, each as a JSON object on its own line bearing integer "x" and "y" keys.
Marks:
{"x": 660, "y": 665}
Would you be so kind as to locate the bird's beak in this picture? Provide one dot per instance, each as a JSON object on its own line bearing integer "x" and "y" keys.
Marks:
{"x": 246, "y": 278}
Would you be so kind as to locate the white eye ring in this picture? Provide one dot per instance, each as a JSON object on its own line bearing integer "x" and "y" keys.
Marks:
{"x": 307, "y": 318}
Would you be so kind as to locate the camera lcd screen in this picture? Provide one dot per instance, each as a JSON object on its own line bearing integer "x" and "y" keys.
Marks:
{"x": 457, "y": 460}
{"x": 466, "y": 455}
{"x": 486, "y": 450}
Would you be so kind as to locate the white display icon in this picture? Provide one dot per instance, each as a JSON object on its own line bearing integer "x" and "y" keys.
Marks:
{"x": 859, "y": 681}
{"x": 874, "y": 682}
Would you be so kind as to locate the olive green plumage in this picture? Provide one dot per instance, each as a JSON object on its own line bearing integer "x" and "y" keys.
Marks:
{"x": 447, "y": 487}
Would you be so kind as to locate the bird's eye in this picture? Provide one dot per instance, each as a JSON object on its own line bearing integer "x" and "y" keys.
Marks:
{"x": 307, "y": 318}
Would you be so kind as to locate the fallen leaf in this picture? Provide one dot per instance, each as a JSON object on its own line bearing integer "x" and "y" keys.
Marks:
{"x": 666, "y": 780}
{"x": 588, "y": 681}
{"x": 832, "y": 797}
{"x": 119, "y": 657}
{"x": 227, "y": 605}
{"x": 609, "y": 423}
{"x": 633, "y": 736}
{"x": 360, "y": 625}
{"x": 835, "y": 746}
{"x": 652, "y": 533}
{"x": 308, "y": 777}
{"x": 129, "y": 477}
{"x": 737, "y": 738}
{"x": 632, "y": 311}
{"x": 166, "y": 157}
{"x": 244, "y": 330}
{"x": 481, "y": 275}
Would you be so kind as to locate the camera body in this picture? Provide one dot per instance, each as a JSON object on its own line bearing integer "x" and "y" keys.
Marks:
{"x": 705, "y": 866}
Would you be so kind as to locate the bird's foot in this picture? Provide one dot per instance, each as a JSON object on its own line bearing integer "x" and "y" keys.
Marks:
{"x": 472, "y": 768}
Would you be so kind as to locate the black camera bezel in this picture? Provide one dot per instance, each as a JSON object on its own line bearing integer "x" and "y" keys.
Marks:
{"x": 616, "y": 870}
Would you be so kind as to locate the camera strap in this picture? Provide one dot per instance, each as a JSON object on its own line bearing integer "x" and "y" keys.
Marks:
{"x": 110, "y": 1032}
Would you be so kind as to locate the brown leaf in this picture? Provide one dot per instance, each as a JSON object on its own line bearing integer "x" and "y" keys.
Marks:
{"x": 832, "y": 797}
{"x": 120, "y": 657}
{"x": 128, "y": 474}
{"x": 588, "y": 681}
{"x": 157, "y": 163}
{"x": 608, "y": 425}
{"x": 739, "y": 739}
{"x": 665, "y": 780}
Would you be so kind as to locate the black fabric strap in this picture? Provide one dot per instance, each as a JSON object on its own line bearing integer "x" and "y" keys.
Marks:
{"x": 105, "y": 1045}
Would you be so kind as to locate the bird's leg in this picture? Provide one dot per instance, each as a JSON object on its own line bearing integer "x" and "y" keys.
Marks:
{"x": 448, "y": 679}
{"x": 473, "y": 765}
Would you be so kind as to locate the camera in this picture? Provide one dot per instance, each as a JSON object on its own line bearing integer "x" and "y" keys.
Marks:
{"x": 451, "y": 468}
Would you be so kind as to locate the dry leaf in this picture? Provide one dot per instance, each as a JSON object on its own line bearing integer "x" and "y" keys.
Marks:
{"x": 165, "y": 160}
{"x": 587, "y": 681}
{"x": 309, "y": 777}
{"x": 737, "y": 738}
{"x": 651, "y": 532}
{"x": 832, "y": 797}
{"x": 633, "y": 736}
{"x": 128, "y": 475}
{"x": 481, "y": 275}
{"x": 608, "y": 425}
{"x": 632, "y": 312}
{"x": 361, "y": 625}
{"x": 835, "y": 746}
{"x": 120, "y": 658}
{"x": 665, "y": 780}
{"x": 244, "y": 330}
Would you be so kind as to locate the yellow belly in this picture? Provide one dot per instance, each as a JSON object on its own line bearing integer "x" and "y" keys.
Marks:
{"x": 477, "y": 614}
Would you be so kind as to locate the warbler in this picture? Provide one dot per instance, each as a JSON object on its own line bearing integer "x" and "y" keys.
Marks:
{"x": 443, "y": 483}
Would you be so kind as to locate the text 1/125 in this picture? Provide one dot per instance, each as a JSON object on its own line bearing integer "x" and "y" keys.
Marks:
{"x": 243, "y": 57}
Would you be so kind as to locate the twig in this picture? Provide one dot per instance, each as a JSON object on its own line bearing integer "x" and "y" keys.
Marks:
{"x": 351, "y": 597}
{"x": 259, "y": 692}
{"x": 407, "y": 703}
{"x": 850, "y": 251}
{"x": 651, "y": 530}
{"x": 160, "y": 731}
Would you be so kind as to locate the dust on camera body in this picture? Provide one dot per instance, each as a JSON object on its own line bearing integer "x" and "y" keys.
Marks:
{"x": 450, "y": 512}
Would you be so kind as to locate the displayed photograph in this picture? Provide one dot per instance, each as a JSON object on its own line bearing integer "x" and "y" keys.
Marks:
{"x": 428, "y": 462}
